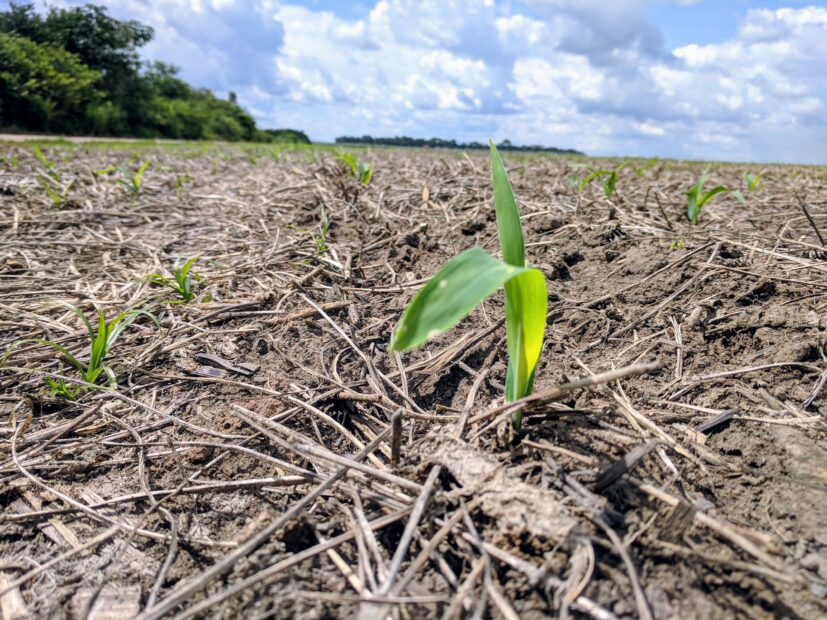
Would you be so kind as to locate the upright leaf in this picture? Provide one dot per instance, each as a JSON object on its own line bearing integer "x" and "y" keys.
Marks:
{"x": 508, "y": 218}
{"x": 525, "y": 319}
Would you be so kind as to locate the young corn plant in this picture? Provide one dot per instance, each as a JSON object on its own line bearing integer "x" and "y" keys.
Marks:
{"x": 184, "y": 281}
{"x": 321, "y": 239}
{"x": 696, "y": 198}
{"x": 134, "y": 182}
{"x": 753, "y": 181}
{"x": 49, "y": 167}
{"x": 101, "y": 338}
{"x": 59, "y": 195}
{"x": 359, "y": 169}
{"x": 607, "y": 178}
{"x": 472, "y": 276}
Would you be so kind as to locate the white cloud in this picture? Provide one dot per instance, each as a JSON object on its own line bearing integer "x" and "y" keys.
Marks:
{"x": 588, "y": 74}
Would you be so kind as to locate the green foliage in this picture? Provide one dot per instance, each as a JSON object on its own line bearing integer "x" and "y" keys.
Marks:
{"x": 359, "y": 169}
{"x": 286, "y": 136}
{"x": 78, "y": 70}
{"x": 467, "y": 279}
{"x": 696, "y": 199}
{"x": 101, "y": 338}
{"x": 439, "y": 143}
{"x": 184, "y": 281}
{"x": 42, "y": 86}
{"x": 133, "y": 181}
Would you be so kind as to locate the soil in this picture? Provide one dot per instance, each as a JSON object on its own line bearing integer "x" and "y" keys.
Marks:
{"x": 211, "y": 482}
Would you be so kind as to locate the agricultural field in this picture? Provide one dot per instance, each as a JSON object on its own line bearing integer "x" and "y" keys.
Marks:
{"x": 203, "y": 415}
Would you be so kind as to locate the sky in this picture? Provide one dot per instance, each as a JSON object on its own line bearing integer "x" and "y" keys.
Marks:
{"x": 735, "y": 80}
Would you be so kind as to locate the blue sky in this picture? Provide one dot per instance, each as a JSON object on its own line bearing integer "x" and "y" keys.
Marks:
{"x": 714, "y": 79}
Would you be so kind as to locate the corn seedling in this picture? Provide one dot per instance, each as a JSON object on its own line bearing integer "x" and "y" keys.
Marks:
{"x": 181, "y": 180}
{"x": 607, "y": 178}
{"x": 184, "y": 280}
{"x": 319, "y": 239}
{"x": 752, "y": 181}
{"x": 359, "y": 169}
{"x": 134, "y": 182}
{"x": 696, "y": 198}
{"x": 59, "y": 195}
{"x": 473, "y": 275}
{"x": 650, "y": 163}
{"x": 101, "y": 340}
{"x": 48, "y": 166}
{"x": 104, "y": 171}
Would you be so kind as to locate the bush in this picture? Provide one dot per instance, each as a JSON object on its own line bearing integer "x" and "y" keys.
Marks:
{"x": 43, "y": 87}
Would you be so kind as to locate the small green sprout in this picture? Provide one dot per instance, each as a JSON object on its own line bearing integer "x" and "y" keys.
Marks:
{"x": 321, "y": 239}
{"x": 181, "y": 180}
{"x": 473, "y": 275}
{"x": 650, "y": 163}
{"x": 696, "y": 199}
{"x": 752, "y": 181}
{"x": 58, "y": 194}
{"x": 48, "y": 166}
{"x": 101, "y": 341}
{"x": 134, "y": 182}
{"x": 608, "y": 180}
{"x": 184, "y": 280}
{"x": 104, "y": 171}
{"x": 360, "y": 170}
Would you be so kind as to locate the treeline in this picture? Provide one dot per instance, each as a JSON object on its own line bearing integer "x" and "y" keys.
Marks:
{"x": 439, "y": 143}
{"x": 78, "y": 71}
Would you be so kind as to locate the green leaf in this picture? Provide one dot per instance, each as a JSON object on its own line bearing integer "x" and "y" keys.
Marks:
{"x": 508, "y": 218}
{"x": 136, "y": 181}
{"x": 739, "y": 196}
{"x": 710, "y": 194}
{"x": 525, "y": 318}
{"x": 450, "y": 295}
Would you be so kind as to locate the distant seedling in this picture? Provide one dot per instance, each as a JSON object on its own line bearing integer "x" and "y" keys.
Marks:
{"x": 752, "y": 181}
{"x": 607, "y": 178}
{"x": 181, "y": 180}
{"x": 101, "y": 340}
{"x": 319, "y": 238}
{"x": 473, "y": 275}
{"x": 134, "y": 182}
{"x": 49, "y": 167}
{"x": 184, "y": 281}
{"x": 58, "y": 194}
{"x": 359, "y": 169}
{"x": 696, "y": 198}
{"x": 650, "y": 163}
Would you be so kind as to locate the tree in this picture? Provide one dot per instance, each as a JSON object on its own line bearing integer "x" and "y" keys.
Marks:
{"x": 42, "y": 86}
